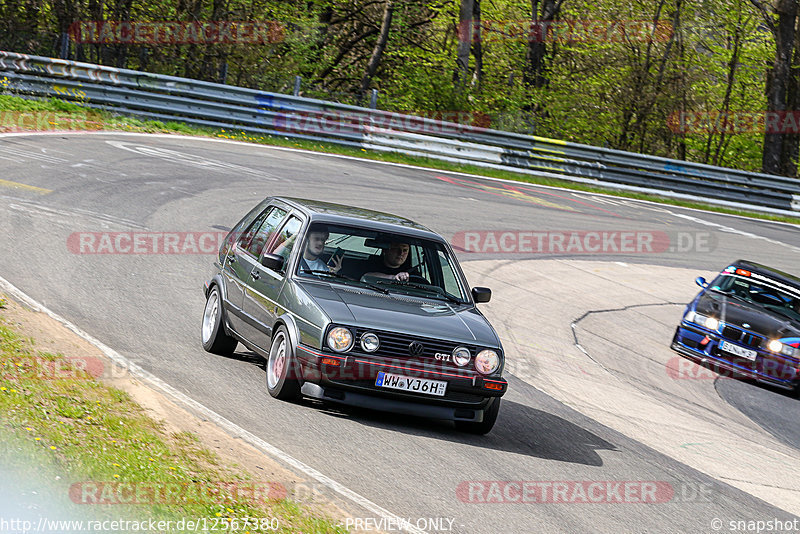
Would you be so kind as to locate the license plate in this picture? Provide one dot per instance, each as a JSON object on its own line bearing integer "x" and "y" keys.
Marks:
{"x": 406, "y": 383}
{"x": 739, "y": 351}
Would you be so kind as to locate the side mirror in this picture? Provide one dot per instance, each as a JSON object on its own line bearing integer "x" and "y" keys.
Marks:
{"x": 273, "y": 261}
{"x": 481, "y": 294}
{"x": 700, "y": 281}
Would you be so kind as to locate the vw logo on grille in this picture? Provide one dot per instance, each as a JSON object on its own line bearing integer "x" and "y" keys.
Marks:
{"x": 415, "y": 348}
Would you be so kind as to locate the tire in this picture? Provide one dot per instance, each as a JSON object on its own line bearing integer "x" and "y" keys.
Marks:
{"x": 282, "y": 376}
{"x": 489, "y": 418}
{"x": 212, "y": 332}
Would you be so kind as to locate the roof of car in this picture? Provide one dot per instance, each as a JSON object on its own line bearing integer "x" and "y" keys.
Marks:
{"x": 769, "y": 271}
{"x": 339, "y": 213}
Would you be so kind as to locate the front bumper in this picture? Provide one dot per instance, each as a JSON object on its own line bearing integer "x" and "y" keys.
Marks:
{"x": 703, "y": 346}
{"x": 350, "y": 379}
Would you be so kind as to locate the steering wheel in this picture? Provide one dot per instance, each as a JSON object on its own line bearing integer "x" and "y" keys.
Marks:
{"x": 418, "y": 279}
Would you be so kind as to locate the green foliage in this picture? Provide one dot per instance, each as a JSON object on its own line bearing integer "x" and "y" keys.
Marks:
{"x": 618, "y": 90}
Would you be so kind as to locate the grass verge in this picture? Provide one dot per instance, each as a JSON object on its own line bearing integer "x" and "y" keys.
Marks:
{"x": 59, "y": 114}
{"x": 72, "y": 446}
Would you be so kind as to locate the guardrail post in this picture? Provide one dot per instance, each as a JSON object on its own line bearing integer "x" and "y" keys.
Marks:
{"x": 297, "y": 80}
{"x": 223, "y": 72}
{"x": 373, "y": 100}
{"x": 63, "y": 46}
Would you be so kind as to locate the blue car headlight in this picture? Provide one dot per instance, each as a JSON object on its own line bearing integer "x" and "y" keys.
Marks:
{"x": 782, "y": 348}
{"x": 711, "y": 323}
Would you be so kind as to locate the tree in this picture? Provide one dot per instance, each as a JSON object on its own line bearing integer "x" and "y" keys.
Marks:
{"x": 780, "y": 148}
{"x": 536, "y": 57}
{"x": 380, "y": 45}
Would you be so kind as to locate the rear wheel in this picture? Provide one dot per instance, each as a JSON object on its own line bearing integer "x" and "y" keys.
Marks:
{"x": 282, "y": 376}
{"x": 213, "y": 335}
{"x": 489, "y": 418}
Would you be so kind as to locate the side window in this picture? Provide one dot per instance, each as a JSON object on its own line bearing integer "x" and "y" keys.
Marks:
{"x": 287, "y": 238}
{"x": 260, "y": 232}
{"x": 234, "y": 235}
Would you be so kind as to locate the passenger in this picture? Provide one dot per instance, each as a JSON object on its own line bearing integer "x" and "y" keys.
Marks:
{"x": 315, "y": 246}
{"x": 393, "y": 263}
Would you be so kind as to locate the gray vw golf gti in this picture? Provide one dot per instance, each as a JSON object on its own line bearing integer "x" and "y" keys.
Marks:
{"x": 357, "y": 307}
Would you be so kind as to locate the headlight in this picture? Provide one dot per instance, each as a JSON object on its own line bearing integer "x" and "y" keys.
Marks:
{"x": 709, "y": 322}
{"x": 788, "y": 350}
{"x": 370, "y": 342}
{"x": 340, "y": 339}
{"x": 487, "y": 361}
{"x": 461, "y": 356}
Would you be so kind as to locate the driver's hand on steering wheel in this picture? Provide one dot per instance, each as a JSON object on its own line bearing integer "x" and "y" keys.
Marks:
{"x": 402, "y": 277}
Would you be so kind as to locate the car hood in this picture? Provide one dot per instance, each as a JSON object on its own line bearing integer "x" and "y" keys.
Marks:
{"x": 365, "y": 308}
{"x": 738, "y": 313}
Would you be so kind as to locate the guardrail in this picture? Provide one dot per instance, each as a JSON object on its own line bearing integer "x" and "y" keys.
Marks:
{"x": 169, "y": 98}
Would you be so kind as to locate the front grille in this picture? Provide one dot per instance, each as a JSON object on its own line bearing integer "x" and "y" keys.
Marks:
{"x": 732, "y": 333}
{"x": 745, "y": 338}
{"x": 396, "y": 346}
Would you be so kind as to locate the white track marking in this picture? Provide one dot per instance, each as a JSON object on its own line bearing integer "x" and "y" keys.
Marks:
{"x": 22, "y": 154}
{"x": 35, "y": 208}
{"x": 306, "y": 152}
{"x": 728, "y": 229}
{"x": 191, "y": 159}
{"x": 228, "y": 426}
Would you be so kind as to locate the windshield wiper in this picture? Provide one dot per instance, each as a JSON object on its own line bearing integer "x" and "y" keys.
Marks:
{"x": 431, "y": 289}
{"x": 343, "y": 277}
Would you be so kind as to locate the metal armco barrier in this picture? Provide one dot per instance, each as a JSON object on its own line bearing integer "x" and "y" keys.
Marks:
{"x": 168, "y": 98}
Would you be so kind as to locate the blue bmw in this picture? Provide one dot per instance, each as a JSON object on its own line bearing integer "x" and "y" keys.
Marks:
{"x": 745, "y": 322}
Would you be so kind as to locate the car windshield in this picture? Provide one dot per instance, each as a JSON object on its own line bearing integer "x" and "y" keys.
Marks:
{"x": 387, "y": 262}
{"x": 751, "y": 287}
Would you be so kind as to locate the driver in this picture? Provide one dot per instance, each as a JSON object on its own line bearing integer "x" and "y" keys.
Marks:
{"x": 393, "y": 263}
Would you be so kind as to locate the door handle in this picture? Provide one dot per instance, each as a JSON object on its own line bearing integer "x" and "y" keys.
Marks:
{"x": 255, "y": 275}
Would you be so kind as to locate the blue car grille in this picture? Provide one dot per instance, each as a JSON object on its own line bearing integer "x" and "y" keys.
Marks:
{"x": 745, "y": 338}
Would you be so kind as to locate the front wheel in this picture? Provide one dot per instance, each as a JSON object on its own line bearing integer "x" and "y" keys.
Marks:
{"x": 213, "y": 335}
{"x": 282, "y": 379}
{"x": 489, "y": 418}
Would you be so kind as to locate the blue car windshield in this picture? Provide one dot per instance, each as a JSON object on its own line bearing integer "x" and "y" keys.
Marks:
{"x": 395, "y": 263}
{"x": 758, "y": 289}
